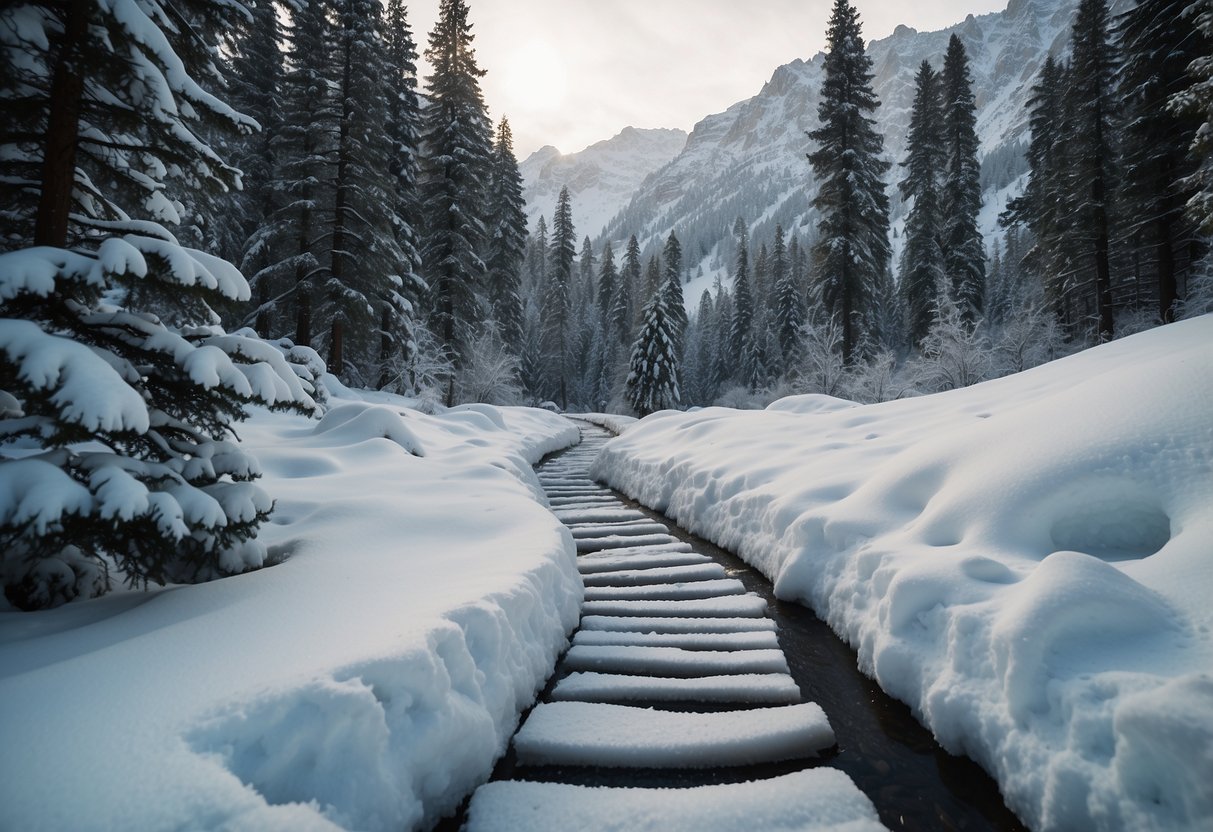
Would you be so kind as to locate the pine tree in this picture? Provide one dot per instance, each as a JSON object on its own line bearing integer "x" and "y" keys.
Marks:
{"x": 397, "y": 325}
{"x": 507, "y": 240}
{"x": 121, "y": 392}
{"x": 741, "y": 331}
{"x": 557, "y": 299}
{"x": 964, "y": 251}
{"x": 623, "y": 312}
{"x": 367, "y": 268}
{"x": 922, "y": 266}
{"x": 608, "y": 288}
{"x": 291, "y": 242}
{"x": 652, "y": 275}
{"x": 1042, "y": 203}
{"x": 1157, "y": 45}
{"x": 672, "y": 258}
{"x": 536, "y": 258}
{"x": 1197, "y": 100}
{"x": 653, "y": 378}
{"x": 257, "y": 80}
{"x": 789, "y": 299}
{"x": 1091, "y": 179}
{"x": 852, "y": 249}
{"x": 458, "y": 148}
{"x": 585, "y": 269}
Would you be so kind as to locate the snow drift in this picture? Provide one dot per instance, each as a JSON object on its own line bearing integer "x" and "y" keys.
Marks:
{"x": 1027, "y": 563}
{"x": 367, "y": 681}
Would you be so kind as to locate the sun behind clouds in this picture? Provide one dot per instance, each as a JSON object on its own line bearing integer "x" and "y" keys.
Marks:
{"x": 534, "y": 78}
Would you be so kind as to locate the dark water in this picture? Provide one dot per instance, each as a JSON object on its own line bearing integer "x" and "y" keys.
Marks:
{"x": 914, "y": 784}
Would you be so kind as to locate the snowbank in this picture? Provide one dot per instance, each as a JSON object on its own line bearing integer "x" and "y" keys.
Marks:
{"x": 1028, "y": 563}
{"x": 613, "y": 422}
{"x": 367, "y": 681}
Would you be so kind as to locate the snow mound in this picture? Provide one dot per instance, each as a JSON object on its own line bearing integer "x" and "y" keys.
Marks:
{"x": 1024, "y": 562}
{"x": 368, "y": 681}
{"x": 809, "y": 403}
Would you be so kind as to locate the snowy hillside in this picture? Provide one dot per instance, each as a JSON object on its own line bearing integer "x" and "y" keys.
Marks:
{"x": 601, "y": 179}
{"x": 1025, "y": 562}
{"x": 750, "y": 160}
{"x": 368, "y": 681}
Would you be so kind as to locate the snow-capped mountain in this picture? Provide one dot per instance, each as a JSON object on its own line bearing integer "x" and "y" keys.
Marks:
{"x": 750, "y": 160}
{"x": 601, "y": 179}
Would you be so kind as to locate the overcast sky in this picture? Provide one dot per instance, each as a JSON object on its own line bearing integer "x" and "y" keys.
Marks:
{"x": 572, "y": 72}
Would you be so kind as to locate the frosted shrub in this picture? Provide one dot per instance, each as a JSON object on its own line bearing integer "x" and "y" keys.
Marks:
{"x": 490, "y": 372}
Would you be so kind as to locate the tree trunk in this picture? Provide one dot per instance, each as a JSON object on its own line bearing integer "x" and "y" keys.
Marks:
{"x": 62, "y": 130}
{"x": 1168, "y": 289}
{"x": 336, "y": 360}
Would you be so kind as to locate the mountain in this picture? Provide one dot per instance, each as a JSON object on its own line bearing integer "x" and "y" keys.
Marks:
{"x": 749, "y": 161}
{"x": 601, "y": 179}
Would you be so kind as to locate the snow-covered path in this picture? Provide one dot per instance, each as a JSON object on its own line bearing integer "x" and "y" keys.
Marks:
{"x": 665, "y": 626}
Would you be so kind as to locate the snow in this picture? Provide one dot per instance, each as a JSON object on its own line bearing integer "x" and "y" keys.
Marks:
{"x": 750, "y": 605}
{"x": 613, "y": 422}
{"x": 673, "y": 661}
{"x": 660, "y": 575}
{"x": 817, "y": 800}
{"x": 88, "y": 390}
{"x": 683, "y": 590}
{"x": 759, "y": 688}
{"x": 620, "y": 541}
{"x": 585, "y": 733}
{"x": 673, "y": 624}
{"x": 1024, "y": 562}
{"x": 744, "y": 640}
{"x": 367, "y": 681}
{"x": 609, "y": 561}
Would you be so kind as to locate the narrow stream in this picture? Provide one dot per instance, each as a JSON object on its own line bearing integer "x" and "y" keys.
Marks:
{"x": 914, "y": 784}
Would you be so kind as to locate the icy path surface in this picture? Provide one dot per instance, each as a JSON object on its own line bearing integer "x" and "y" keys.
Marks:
{"x": 675, "y": 667}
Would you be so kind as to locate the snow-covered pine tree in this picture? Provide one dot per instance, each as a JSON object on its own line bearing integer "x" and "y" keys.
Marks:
{"x": 922, "y": 263}
{"x": 726, "y": 360}
{"x": 536, "y": 260}
{"x": 653, "y": 379}
{"x": 585, "y": 273}
{"x": 507, "y": 240}
{"x": 652, "y": 275}
{"x": 852, "y": 249}
{"x": 741, "y": 329}
{"x": 256, "y": 81}
{"x": 623, "y": 311}
{"x": 672, "y": 259}
{"x": 964, "y": 254}
{"x": 608, "y": 287}
{"x": 291, "y": 242}
{"x": 789, "y": 301}
{"x": 1197, "y": 99}
{"x": 699, "y": 381}
{"x": 557, "y": 301}
{"x": 398, "y": 339}
{"x": 124, "y": 423}
{"x": 362, "y": 296}
{"x": 1041, "y": 206}
{"x": 456, "y": 137}
{"x": 1091, "y": 179}
{"x": 1157, "y": 44}
{"x": 760, "y": 285}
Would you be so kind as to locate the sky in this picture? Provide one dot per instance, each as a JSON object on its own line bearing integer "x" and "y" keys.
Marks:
{"x": 573, "y": 72}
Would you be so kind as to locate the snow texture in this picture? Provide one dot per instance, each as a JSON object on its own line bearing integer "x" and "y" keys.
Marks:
{"x": 817, "y": 800}
{"x": 769, "y": 688}
{"x": 585, "y": 733}
{"x": 673, "y": 661}
{"x": 368, "y": 681}
{"x": 1024, "y": 562}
